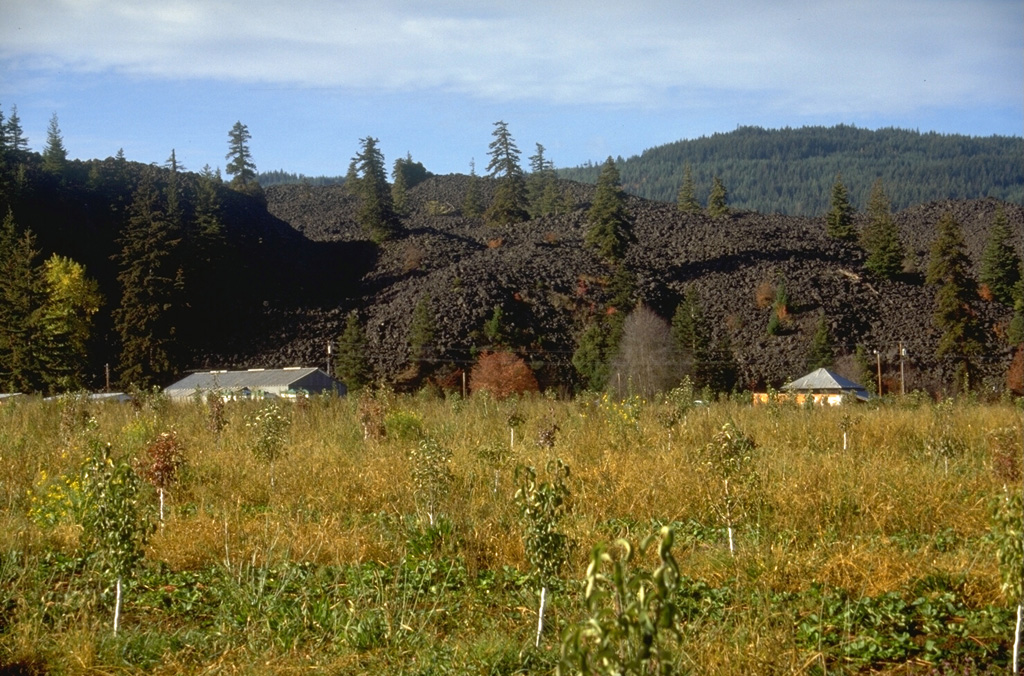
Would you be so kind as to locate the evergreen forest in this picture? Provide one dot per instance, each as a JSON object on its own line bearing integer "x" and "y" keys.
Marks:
{"x": 791, "y": 171}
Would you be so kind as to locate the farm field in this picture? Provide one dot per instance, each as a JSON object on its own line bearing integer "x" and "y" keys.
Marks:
{"x": 384, "y": 534}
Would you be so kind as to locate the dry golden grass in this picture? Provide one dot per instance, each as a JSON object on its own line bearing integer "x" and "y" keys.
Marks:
{"x": 907, "y": 499}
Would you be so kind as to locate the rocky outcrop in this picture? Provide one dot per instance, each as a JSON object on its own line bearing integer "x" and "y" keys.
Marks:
{"x": 548, "y": 283}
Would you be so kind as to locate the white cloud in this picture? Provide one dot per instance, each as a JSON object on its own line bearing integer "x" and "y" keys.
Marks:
{"x": 838, "y": 56}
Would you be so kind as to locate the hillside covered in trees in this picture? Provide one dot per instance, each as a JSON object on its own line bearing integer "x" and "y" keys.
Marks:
{"x": 155, "y": 271}
{"x": 790, "y": 171}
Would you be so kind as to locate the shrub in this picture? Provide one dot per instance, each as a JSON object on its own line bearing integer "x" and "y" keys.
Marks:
{"x": 502, "y": 374}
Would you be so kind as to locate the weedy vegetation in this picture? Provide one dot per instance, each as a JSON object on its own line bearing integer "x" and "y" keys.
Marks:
{"x": 393, "y": 534}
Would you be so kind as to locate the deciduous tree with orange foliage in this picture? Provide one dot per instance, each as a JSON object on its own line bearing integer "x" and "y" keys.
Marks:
{"x": 502, "y": 374}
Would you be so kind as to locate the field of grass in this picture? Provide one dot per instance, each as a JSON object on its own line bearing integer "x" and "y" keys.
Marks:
{"x": 381, "y": 535}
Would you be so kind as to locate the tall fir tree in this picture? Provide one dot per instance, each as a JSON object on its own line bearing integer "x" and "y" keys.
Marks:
{"x": 880, "y": 237}
{"x": 820, "y": 354}
{"x": 839, "y": 220}
{"x": 399, "y": 189}
{"x": 686, "y": 200}
{"x": 376, "y": 210}
{"x": 1000, "y": 263}
{"x": 609, "y": 228}
{"x": 542, "y": 185}
{"x": 722, "y": 369}
{"x": 963, "y": 336}
{"x": 592, "y": 357}
{"x": 240, "y": 165}
{"x": 421, "y": 330}
{"x": 691, "y": 337}
{"x": 351, "y": 365}
{"x": 204, "y": 251}
{"x": 172, "y": 192}
{"x": 55, "y": 156}
{"x": 146, "y": 274}
{"x": 21, "y": 297}
{"x": 472, "y": 202}
{"x": 1015, "y": 331}
{"x": 510, "y": 201}
{"x": 718, "y": 199}
{"x": 16, "y": 140}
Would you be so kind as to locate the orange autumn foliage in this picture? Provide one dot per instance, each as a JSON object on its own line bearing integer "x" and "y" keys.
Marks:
{"x": 502, "y": 374}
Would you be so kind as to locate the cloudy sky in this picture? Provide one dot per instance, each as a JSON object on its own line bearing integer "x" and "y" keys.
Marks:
{"x": 587, "y": 79}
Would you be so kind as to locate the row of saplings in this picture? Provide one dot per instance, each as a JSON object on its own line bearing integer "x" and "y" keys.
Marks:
{"x": 632, "y": 617}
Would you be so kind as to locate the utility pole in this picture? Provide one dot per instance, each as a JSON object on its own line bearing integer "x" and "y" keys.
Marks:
{"x": 903, "y": 378}
{"x": 106, "y": 371}
{"x": 878, "y": 357}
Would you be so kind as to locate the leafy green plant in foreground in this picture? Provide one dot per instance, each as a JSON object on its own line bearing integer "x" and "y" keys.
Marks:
{"x": 270, "y": 426}
{"x": 541, "y": 508}
{"x": 631, "y": 623}
{"x": 114, "y": 530}
{"x": 431, "y": 473}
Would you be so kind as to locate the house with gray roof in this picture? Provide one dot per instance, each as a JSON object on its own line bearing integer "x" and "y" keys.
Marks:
{"x": 822, "y": 387}
{"x": 256, "y": 384}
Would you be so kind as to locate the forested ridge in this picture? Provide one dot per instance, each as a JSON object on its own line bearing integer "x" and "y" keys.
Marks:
{"x": 790, "y": 171}
{"x": 155, "y": 270}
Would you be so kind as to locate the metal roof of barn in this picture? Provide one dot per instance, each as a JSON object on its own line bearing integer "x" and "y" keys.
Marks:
{"x": 253, "y": 379}
{"x": 824, "y": 380}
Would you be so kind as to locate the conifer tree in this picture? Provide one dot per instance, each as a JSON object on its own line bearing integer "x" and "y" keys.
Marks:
{"x": 472, "y": 203}
{"x": 21, "y": 297}
{"x": 16, "y": 140}
{"x": 1015, "y": 331}
{"x": 1000, "y": 264}
{"x": 949, "y": 269}
{"x": 820, "y": 353}
{"x": 718, "y": 199}
{"x": 55, "y": 157}
{"x": 172, "y": 193}
{"x": 609, "y": 222}
{"x": 495, "y": 330}
{"x": 591, "y": 359}
{"x": 146, "y": 275}
{"x": 352, "y": 179}
{"x": 509, "y": 205}
{"x": 240, "y": 165}
{"x": 691, "y": 337}
{"x": 687, "y": 198}
{"x": 398, "y": 188}
{"x": 376, "y": 210}
{"x": 350, "y": 365}
{"x": 881, "y": 237}
{"x": 206, "y": 250}
{"x": 722, "y": 369}
{"x": 599, "y": 342}
{"x": 421, "y": 330}
{"x": 839, "y": 220}
{"x": 542, "y": 185}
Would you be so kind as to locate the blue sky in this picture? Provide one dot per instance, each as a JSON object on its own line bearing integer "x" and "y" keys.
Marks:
{"x": 587, "y": 79}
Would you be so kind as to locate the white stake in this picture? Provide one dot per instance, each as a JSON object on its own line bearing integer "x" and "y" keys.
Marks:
{"x": 540, "y": 614}
{"x": 117, "y": 605}
{"x": 1016, "y": 641}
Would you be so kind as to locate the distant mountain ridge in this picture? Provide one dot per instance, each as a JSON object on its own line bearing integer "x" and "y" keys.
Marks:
{"x": 791, "y": 171}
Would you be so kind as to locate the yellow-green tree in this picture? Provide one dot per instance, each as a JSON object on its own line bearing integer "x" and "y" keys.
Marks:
{"x": 71, "y": 300}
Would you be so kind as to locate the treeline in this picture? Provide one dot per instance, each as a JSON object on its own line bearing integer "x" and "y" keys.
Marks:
{"x": 282, "y": 177}
{"x": 791, "y": 171}
{"x": 134, "y": 267}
